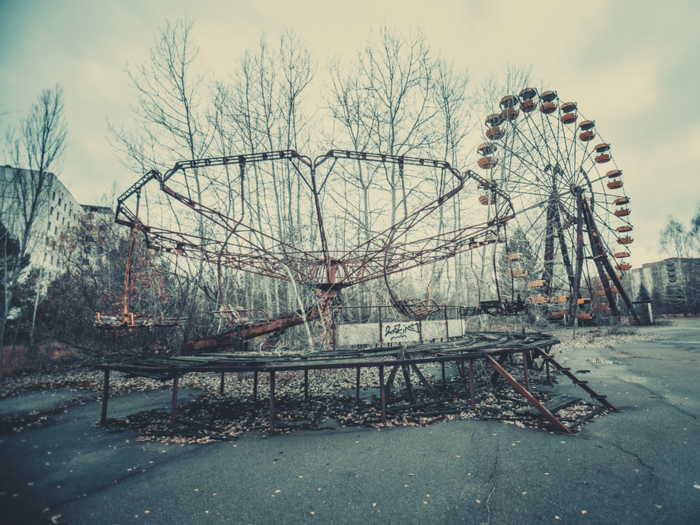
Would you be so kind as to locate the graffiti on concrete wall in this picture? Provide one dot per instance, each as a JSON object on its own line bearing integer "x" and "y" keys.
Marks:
{"x": 400, "y": 332}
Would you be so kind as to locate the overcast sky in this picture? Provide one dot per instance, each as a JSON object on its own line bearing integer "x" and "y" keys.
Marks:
{"x": 632, "y": 66}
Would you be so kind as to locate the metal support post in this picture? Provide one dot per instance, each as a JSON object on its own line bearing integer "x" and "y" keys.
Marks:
{"x": 382, "y": 395}
{"x": 527, "y": 377}
{"x": 471, "y": 383}
{"x": 272, "y": 401}
{"x": 173, "y": 408}
{"x": 105, "y": 397}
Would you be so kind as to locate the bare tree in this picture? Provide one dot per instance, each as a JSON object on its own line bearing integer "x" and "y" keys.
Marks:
{"x": 170, "y": 121}
{"x": 452, "y": 128}
{"x": 682, "y": 291}
{"x": 37, "y": 154}
{"x": 399, "y": 98}
{"x": 264, "y": 106}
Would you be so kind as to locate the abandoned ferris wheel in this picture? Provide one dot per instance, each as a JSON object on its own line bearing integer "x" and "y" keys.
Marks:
{"x": 571, "y": 210}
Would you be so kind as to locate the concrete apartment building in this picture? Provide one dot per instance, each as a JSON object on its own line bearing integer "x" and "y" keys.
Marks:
{"x": 57, "y": 211}
{"x": 673, "y": 284}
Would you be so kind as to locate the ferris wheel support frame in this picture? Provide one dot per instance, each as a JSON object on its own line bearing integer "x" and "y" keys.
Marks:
{"x": 575, "y": 292}
{"x": 554, "y": 225}
{"x": 603, "y": 263}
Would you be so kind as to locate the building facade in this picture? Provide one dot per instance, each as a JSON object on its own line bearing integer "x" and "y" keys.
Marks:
{"x": 44, "y": 203}
{"x": 673, "y": 285}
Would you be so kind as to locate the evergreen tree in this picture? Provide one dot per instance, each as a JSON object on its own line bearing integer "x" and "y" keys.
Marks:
{"x": 526, "y": 265}
{"x": 643, "y": 294}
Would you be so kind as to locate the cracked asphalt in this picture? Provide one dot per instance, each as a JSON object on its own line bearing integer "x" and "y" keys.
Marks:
{"x": 638, "y": 466}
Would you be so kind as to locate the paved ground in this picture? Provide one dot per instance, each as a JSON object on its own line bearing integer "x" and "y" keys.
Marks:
{"x": 638, "y": 466}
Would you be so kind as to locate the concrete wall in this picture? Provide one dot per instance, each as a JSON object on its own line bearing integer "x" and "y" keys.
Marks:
{"x": 396, "y": 333}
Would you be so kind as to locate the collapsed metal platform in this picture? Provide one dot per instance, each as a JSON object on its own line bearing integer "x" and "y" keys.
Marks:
{"x": 492, "y": 348}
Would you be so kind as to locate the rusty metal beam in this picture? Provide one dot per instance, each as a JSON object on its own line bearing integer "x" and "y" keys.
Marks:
{"x": 539, "y": 406}
{"x": 598, "y": 252}
{"x": 575, "y": 292}
{"x": 583, "y": 384}
{"x": 602, "y": 259}
{"x": 105, "y": 397}
{"x": 173, "y": 406}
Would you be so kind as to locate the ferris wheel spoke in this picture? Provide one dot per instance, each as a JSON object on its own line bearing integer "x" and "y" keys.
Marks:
{"x": 551, "y": 155}
{"x": 529, "y": 145}
{"x": 556, "y": 150}
{"x": 522, "y": 178}
{"x": 602, "y": 222}
{"x": 537, "y": 133}
{"x": 530, "y": 164}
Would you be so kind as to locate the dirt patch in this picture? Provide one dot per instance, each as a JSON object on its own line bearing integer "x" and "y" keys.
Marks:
{"x": 19, "y": 358}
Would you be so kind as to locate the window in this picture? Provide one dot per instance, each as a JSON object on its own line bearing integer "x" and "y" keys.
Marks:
{"x": 59, "y": 201}
{"x": 57, "y": 215}
{"x": 49, "y": 226}
{"x": 54, "y": 196}
{"x": 64, "y": 207}
{"x": 56, "y": 230}
{"x": 51, "y": 212}
{"x": 52, "y": 259}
